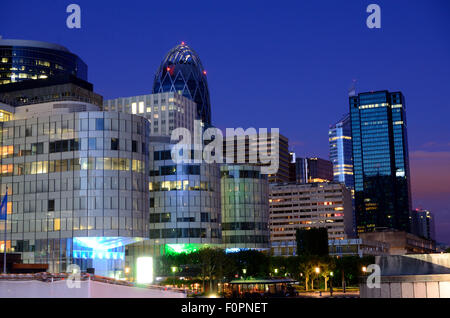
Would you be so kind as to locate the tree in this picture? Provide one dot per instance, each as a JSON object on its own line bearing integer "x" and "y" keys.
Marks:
{"x": 312, "y": 242}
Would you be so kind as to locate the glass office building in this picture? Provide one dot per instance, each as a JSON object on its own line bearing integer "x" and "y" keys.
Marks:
{"x": 77, "y": 185}
{"x": 380, "y": 159}
{"x": 22, "y": 60}
{"x": 182, "y": 71}
{"x": 165, "y": 111}
{"x": 340, "y": 139}
{"x": 184, "y": 204}
{"x": 245, "y": 207}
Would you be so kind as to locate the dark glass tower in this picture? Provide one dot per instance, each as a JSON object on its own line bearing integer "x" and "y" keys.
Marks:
{"x": 22, "y": 60}
{"x": 182, "y": 71}
{"x": 380, "y": 161}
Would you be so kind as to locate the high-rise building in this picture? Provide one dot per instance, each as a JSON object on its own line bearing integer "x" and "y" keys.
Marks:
{"x": 253, "y": 144}
{"x": 245, "y": 207}
{"x": 61, "y": 87}
{"x": 165, "y": 111}
{"x": 424, "y": 224}
{"x": 182, "y": 71}
{"x": 22, "y": 60}
{"x": 340, "y": 139}
{"x": 303, "y": 206}
{"x": 312, "y": 170}
{"x": 77, "y": 184}
{"x": 185, "y": 210}
{"x": 380, "y": 161}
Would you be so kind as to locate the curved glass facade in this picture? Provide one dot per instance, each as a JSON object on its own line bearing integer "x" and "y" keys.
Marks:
{"x": 245, "y": 207}
{"x": 184, "y": 202}
{"x": 181, "y": 71}
{"x": 77, "y": 188}
{"x": 22, "y": 60}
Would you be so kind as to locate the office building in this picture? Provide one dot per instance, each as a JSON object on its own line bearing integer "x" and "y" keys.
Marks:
{"x": 165, "y": 111}
{"x": 185, "y": 211}
{"x": 380, "y": 161}
{"x": 182, "y": 71}
{"x": 303, "y": 206}
{"x": 22, "y": 60}
{"x": 424, "y": 224}
{"x": 61, "y": 87}
{"x": 313, "y": 170}
{"x": 340, "y": 139}
{"x": 245, "y": 207}
{"x": 401, "y": 242}
{"x": 77, "y": 184}
{"x": 249, "y": 149}
{"x": 357, "y": 247}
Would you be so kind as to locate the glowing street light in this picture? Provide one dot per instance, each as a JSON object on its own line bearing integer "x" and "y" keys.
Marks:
{"x": 276, "y": 270}
{"x": 174, "y": 269}
{"x": 317, "y": 270}
{"x": 364, "y": 269}
{"x": 331, "y": 274}
{"x": 244, "y": 270}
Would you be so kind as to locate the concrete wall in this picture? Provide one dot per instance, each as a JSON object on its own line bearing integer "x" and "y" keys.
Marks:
{"x": 408, "y": 289}
{"x": 88, "y": 289}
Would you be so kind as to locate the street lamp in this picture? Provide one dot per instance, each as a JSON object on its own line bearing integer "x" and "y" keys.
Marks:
{"x": 317, "y": 270}
{"x": 364, "y": 269}
{"x": 331, "y": 283}
{"x": 174, "y": 269}
{"x": 244, "y": 270}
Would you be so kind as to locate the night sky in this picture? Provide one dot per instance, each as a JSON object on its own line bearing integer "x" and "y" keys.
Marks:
{"x": 284, "y": 64}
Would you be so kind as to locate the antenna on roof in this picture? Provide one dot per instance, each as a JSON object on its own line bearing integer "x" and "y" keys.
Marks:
{"x": 352, "y": 89}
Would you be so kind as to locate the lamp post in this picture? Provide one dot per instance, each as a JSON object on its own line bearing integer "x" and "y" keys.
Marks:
{"x": 317, "y": 270}
{"x": 174, "y": 269}
{"x": 331, "y": 284}
{"x": 244, "y": 272}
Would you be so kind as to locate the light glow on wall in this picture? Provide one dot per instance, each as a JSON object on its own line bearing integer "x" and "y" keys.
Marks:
{"x": 144, "y": 270}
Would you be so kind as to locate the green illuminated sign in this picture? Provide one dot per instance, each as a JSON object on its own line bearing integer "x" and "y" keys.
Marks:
{"x": 183, "y": 248}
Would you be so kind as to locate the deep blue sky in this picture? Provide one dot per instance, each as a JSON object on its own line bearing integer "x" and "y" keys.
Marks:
{"x": 285, "y": 64}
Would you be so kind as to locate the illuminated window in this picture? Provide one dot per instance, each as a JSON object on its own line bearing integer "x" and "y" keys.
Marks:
{"x": 133, "y": 108}
{"x": 141, "y": 107}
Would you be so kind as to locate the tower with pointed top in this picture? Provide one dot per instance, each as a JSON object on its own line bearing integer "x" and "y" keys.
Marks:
{"x": 182, "y": 71}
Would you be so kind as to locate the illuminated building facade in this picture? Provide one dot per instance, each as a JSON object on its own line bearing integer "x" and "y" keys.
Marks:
{"x": 340, "y": 139}
{"x": 182, "y": 71}
{"x": 310, "y": 170}
{"x": 424, "y": 224}
{"x": 165, "y": 111}
{"x": 268, "y": 145}
{"x": 184, "y": 204}
{"x": 380, "y": 161}
{"x": 245, "y": 207}
{"x": 303, "y": 206}
{"x": 77, "y": 184}
{"x": 22, "y": 60}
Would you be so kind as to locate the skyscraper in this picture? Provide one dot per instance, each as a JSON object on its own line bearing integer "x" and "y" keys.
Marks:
{"x": 380, "y": 159}
{"x": 165, "y": 111}
{"x": 424, "y": 223}
{"x": 182, "y": 71}
{"x": 340, "y": 138}
{"x": 22, "y": 60}
{"x": 312, "y": 170}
